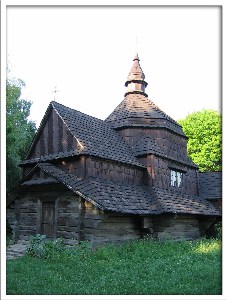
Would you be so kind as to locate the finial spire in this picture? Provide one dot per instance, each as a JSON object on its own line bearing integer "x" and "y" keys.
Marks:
{"x": 135, "y": 81}
{"x": 136, "y": 57}
{"x": 136, "y": 44}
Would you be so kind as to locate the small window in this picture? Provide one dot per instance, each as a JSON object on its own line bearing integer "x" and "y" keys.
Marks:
{"x": 176, "y": 178}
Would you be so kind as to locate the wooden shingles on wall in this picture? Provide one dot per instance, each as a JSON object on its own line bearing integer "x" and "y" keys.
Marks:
{"x": 50, "y": 137}
{"x": 191, "y": 180}
{"x": 54, "y": 137}
{"x": 45, "y": 139}
{"x": 73, "y": 166}
{"x": 159, "y": 168}
{"x": 113, "y": 171}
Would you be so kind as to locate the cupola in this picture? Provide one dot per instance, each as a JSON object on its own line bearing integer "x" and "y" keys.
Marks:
{"x": 135, "y": 81}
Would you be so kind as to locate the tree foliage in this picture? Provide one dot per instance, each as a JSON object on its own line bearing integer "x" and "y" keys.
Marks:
{"x": 204, "y": 130}
{"x": 19, "y": 130}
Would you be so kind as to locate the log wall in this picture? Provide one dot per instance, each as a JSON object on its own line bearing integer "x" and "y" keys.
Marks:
{"x": 78, "y": 220}
{"x": 69, "y": 213}
{"x": 175, "y": 227}
{"x": 117, "y": 229}
{"x": 24, "y": 214}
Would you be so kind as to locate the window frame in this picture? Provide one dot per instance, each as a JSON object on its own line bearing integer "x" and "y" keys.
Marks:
{"x": 176, "y": 178}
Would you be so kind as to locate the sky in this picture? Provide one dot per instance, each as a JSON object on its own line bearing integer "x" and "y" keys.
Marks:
{"x": 86, "y": 53}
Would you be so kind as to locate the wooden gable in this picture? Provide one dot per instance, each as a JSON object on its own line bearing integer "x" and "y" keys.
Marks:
{"x": 39, "y": 176}
{"x": 52, "y": 137}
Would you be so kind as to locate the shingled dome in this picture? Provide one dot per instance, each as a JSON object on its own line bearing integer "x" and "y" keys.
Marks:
{"x": 136, "y": 109}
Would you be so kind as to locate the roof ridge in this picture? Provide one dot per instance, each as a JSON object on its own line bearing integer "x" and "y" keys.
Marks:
{"x": 94, "y": 136}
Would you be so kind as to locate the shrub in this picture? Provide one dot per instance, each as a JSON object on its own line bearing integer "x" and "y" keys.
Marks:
{"x": 40, "y": 248}
{"x": 36, "y": 246}
{"x": 54, "y": 249}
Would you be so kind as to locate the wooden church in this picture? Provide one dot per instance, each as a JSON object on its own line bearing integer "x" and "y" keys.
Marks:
{"x": 120, "y": 179}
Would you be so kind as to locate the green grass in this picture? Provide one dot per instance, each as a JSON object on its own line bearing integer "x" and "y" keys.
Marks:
{"x": 136, "y": 268}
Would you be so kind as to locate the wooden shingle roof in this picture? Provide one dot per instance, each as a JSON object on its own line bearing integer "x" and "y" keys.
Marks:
{"x": 136, "y": 110}
{"x": 148, "y": 145}
{"x": 94, "y": 136}
{"x": 210, "y": 185}
{"x": 125, "y": 198}
{"x": 184, "y": 204}
{"x": 106, "y": 194}
{"x": 136, "y": 72}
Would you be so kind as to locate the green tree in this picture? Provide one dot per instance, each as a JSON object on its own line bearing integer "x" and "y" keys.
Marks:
{"x": 19, "y": 130}
{"x": 204, "y": 130}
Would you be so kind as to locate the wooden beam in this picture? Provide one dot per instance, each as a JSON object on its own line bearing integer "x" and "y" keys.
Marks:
{"x": 82, "y": 208}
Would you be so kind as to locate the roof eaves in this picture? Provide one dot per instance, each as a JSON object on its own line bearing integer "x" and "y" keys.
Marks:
{"x": 172, "y": 159}
{"x": 74, "y": 153}
{"x": 153, "y": 126}
{"x": 45, "y": 169}
{"x": 15, "y": 191}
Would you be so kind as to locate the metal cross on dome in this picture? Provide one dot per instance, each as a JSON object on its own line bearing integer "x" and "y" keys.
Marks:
{"x": 55, "y": 91}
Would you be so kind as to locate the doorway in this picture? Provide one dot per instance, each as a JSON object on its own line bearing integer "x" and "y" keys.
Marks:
{"x": 48, "y": 219}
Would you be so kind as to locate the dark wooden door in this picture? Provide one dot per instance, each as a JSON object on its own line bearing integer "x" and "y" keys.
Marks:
{"x": 48, "y": 218}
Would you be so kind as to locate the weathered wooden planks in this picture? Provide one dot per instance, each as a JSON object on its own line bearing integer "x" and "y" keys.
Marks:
{"x": 175, "y": 227}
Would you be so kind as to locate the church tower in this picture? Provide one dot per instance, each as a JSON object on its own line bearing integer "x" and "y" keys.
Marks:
{"x": 156, "y": 139}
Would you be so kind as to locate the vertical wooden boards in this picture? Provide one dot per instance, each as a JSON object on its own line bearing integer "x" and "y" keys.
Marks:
{"x": 54, "y": 137}
{"x": 81, "y": 217}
